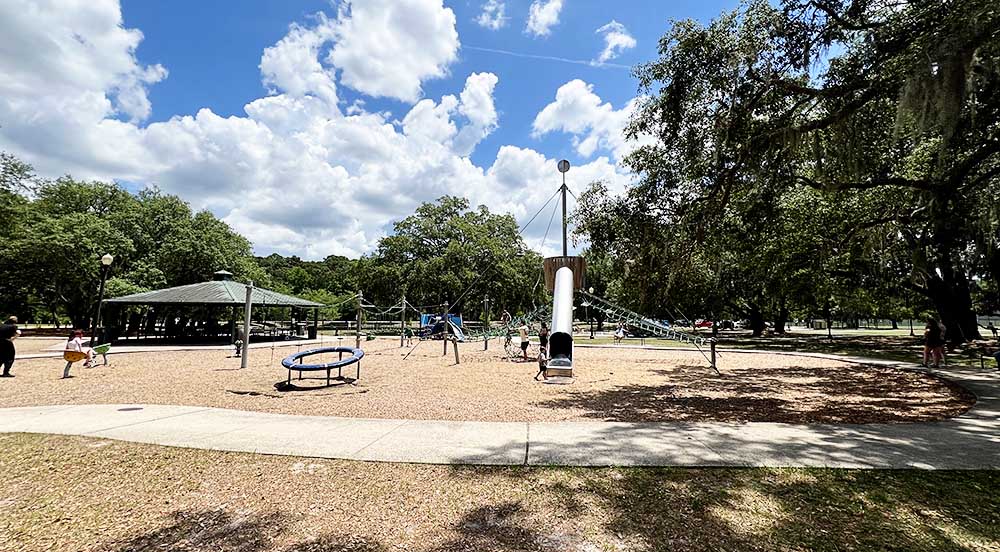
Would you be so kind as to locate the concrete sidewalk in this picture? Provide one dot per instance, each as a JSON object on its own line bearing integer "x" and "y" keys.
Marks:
{"x": 971, "y": 441}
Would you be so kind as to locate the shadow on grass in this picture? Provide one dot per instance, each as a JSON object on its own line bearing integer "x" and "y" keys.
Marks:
{"x": 772, "y": 509}
{"x": 222, "y": 531}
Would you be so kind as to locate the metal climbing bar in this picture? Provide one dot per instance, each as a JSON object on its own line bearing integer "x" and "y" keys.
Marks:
{"x": 632, "y": 318}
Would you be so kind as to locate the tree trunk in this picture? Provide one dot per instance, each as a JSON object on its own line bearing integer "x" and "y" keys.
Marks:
{"x": 895, "y": 324}
{"x": 953, "y": 301}
{"x": 947, "y": 280}
{"x": 781, "y": 319}
{"x": 756, "y": 321}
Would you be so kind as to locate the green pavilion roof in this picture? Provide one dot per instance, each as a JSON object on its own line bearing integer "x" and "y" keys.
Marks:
{"x": 220, "y": 292}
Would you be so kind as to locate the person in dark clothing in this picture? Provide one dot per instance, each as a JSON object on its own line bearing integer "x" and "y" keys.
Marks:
{"x": 543, "y": 351}
{"x": 8, "y": 333}
{"x": 934, "y": 342}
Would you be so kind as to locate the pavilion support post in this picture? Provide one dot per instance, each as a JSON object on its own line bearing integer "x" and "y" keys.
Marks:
{"x": 315, "y": 323}
{"x": 247, "y": 307}
{"x": 232, "y": 325}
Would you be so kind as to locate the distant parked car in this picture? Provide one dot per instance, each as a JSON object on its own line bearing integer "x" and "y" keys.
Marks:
{"x": 727, "y": 325}
{"x": 703, "y": 324}
{"x": 682, "y": 322}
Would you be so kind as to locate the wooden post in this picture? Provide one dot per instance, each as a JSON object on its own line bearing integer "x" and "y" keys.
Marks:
{"x": 714, "y": 366}
{"x": 357, "y": 332}
{"x": 455, "y": 346}
{"x": 246, "y": 326}
{"x": 402, "y": 321}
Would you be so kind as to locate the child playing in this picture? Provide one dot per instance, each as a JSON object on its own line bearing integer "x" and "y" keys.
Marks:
{"x": 75, "y": 343}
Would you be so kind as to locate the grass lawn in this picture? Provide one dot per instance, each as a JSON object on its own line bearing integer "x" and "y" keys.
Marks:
{"x": 75, "y": 493}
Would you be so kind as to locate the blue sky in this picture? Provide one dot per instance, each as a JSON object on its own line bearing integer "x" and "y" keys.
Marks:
{"x": 156, "y": 93}
{"x": 215, "y": 65}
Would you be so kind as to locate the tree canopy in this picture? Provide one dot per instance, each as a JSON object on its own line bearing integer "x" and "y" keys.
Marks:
{"x": 805, "y": 148}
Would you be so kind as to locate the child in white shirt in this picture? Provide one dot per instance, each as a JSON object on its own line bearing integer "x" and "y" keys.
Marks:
{"x": 75, "y": 343}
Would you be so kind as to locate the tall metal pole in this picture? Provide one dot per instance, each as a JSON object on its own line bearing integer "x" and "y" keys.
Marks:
{"x": 246, "y": 326}
{"x": 486, "y": 316}
{"x": 565, "y": 250}
{"x": 357, "y": 331}
{"x": 100, "y": 300}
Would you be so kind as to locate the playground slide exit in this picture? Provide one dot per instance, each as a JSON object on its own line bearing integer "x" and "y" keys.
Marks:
{"x": 561, "y": 338}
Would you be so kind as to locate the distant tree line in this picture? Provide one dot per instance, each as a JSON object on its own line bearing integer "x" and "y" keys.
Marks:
{"x": 53, "y": 233}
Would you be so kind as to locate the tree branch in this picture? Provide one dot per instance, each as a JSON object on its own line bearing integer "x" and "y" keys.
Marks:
{"x": 891, "y": 181}
{"x": 843, "y": 22}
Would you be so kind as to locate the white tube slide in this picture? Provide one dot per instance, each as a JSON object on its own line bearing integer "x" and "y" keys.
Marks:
{"x": 561, "y": 338}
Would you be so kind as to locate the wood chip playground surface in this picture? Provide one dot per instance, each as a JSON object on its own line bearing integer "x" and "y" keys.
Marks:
{"x": 612, "y": 384}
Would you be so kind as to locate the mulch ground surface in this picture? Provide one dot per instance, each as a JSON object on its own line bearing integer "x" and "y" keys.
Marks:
{"x": 611, "y": 384}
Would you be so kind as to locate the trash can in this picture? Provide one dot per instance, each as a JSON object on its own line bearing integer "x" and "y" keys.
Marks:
{"x": 312, "y": 332}
{"x": 300, "y": 329}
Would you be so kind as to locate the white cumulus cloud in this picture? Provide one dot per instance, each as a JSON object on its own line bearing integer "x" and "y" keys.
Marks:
{"x": 297, "y": 173}
{"x": 492, "y": 17}
{"x": 389, "y": 47}
{"x": 542, "y": 16}
{"x": 594, "y": 124}
{"x": 293, "y": 63}
{"x": 616, "y": 41}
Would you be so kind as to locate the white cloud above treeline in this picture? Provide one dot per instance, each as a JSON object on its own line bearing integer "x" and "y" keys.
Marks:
{"x": 492, "y": 17}
{"x": 542, "y": 16}
{"x": 616, "y": 40}
{"x": 300, "y": 173}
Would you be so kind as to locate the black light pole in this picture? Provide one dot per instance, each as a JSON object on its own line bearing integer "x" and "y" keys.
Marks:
{"x": 106, "y": 261}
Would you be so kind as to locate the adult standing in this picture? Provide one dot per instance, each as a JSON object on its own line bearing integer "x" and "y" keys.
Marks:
{"x": 523, "y": 331}
{"x": 8, "y": 333}
{"x": 934, "y": 342}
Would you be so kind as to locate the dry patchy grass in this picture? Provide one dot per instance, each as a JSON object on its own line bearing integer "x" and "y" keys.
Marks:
{"x": 81, "y": 494}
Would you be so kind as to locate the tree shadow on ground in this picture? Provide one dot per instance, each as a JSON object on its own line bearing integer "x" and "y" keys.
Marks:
{"x": 224, "y": 531}
{"x": 500, "y": 526}
{"x": 774, "y": 509}
{"x": 852, "y": 394}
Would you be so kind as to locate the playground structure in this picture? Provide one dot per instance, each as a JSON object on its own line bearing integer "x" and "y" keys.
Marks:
{"x": 561, "y": 339}
{"x": 564, "y": 277}
{"x": 293, "y": 362}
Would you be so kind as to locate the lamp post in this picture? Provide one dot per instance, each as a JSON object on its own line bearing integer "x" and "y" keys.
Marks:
{"x": 106, "y": 261}
{"x": 591, "y": 320}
